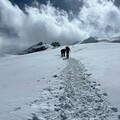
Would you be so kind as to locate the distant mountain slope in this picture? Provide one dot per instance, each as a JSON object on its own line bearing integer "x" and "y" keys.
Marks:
{"x": 97, "y": 39}
{"x": 90, "y": 40}
{"x": 116, "y": 41}
{"x": 105, "y": 40}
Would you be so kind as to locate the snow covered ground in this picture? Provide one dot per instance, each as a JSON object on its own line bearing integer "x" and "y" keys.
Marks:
{"x": 103, "y": 61}
{"x": 43, "y": 86}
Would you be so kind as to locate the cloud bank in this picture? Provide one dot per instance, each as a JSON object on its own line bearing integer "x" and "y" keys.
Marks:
{"x": 44, "y": 23}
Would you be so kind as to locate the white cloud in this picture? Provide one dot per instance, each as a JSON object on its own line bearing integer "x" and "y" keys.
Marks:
{"x": 101, "y": 18}
{"x": 47, "y": 24}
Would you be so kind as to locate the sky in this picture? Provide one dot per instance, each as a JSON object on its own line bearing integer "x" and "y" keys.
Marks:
{"x": 24, "y": 25}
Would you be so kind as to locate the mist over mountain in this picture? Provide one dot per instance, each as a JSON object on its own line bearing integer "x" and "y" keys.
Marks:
{"x": 27, "y": 22}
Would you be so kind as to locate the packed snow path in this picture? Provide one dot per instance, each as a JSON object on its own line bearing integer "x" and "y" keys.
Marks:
{"x": 81, "y": 99}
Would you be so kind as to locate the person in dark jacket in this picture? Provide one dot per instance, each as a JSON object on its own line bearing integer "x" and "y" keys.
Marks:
{"x": 62, "y": 52}
{"x": 67, "y": 50}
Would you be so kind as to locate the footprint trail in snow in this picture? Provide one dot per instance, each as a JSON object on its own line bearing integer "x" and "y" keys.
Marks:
{"x": 82, "y": 98}
{"x": 78, "y": 97}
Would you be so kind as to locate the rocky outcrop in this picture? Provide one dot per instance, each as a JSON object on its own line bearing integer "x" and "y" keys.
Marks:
{"x": 36, "y": 48}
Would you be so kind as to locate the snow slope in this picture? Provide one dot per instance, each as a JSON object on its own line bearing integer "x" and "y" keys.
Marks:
{"x": 22, "y": 80}
{"x": 43, "y": 86}
{"x": 103, "y": 61}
